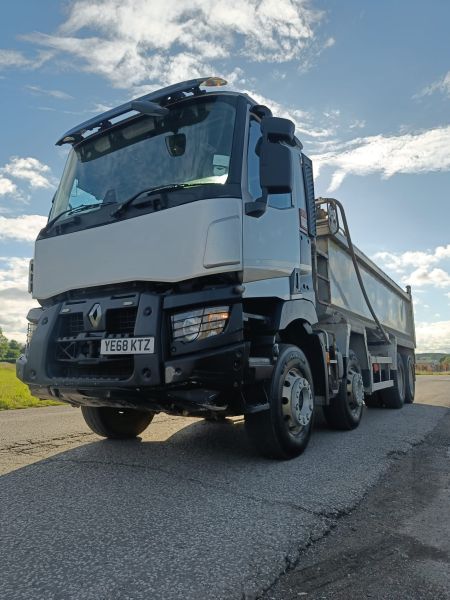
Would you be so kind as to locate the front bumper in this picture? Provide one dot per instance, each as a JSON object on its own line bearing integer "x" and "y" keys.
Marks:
{"x": 63, "y": 359}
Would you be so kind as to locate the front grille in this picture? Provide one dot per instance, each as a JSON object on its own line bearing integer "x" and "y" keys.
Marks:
{"x": 71, "y": 325}
{"x": 111, "y": 369}
{"x": 121, "y": 320}
{"x": 77, "y": 347}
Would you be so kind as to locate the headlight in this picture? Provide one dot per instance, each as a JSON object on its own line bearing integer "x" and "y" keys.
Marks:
{"x": 200, "y": 324}
{"x": 30, "y": 276}
{"x": 30, "y": 332}
{"x": 33, "y": 316}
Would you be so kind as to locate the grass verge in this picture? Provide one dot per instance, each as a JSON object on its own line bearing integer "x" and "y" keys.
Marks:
{"x": 14, "y": 393}
{"x": 432, "y": 372}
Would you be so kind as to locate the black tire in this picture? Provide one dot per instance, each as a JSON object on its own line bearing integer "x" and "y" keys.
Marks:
{"x": 345, "y": 410}
{"x": 410, "y": 378}
{"x": 116, "y": 423}
{"x": 373, "y": 400}
{"x": 215, "y": 418}
{"x": 394, "y": 397}
{"x": 283, "y": 431}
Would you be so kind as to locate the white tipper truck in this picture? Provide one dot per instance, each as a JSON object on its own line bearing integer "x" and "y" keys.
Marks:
{"x": 187, "y": 268}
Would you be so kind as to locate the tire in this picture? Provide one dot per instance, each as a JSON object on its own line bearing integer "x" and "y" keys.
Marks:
{"x": 116, "y": 423}
{"x": 410, "y": 378}
{"x": 345, "y": 410}
{"x": 373, "y": 400}
{"x": 394, "y": 397}
{"x": 215, "y": 418}
{"x": 283, "y": 431}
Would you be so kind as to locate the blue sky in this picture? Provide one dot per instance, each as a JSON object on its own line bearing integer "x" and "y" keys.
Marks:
{"x": 367, "y": 84}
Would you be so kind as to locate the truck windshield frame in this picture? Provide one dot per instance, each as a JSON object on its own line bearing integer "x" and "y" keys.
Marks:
{"x": 195, "y": 144}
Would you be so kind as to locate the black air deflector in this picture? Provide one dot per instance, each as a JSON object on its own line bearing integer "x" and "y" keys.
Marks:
{"x": 308, "y": 179}
{"x": 172, "y": 92}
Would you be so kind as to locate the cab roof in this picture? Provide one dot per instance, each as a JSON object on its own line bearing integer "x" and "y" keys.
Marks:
{"x": 154, "y": 100}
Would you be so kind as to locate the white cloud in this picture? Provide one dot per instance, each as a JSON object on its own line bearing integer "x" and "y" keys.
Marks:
{"x": 302, "y": 119}
{"x": 423, "y": 277}
{"x": 14, "y": 298}
{"x": 23, "y": 228}
{"x": 7, "y": 186}
{"x": 135, "y": 42}
{"x": 12, "y": 58}
{"x": 35, "y": 89}
{"x": 399, "y": 262}
{"x": 441, "y": 85}
{"x": 422, "y": 152}
{"x": 28, "y": 169}
{"x": 15, "y": 59}
{"x": 433, "y": 337}
{"x": 417, "y": 268}
{"x": 357, "y": 124}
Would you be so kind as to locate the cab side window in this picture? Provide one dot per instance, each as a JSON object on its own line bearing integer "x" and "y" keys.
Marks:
{"x": 254, "y": 187}
{"x": 280, "y": 201}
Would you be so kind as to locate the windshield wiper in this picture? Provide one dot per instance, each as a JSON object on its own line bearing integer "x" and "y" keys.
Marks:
{"x": 72, "y": 211}
{"x": 163, "y": 188}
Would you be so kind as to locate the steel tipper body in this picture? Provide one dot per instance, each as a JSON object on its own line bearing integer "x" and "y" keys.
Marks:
{"x": 367, "y": 312}
{"x": 181, "y": 271}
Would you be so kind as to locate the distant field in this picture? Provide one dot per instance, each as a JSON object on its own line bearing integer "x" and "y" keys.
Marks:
{"x": 13, "y": 393}
{"x": 432, "y": 372}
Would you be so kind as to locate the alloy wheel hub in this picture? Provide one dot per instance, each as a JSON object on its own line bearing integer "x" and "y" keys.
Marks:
{"x": 355, "y": 389}
{"x": 297, "y": 401}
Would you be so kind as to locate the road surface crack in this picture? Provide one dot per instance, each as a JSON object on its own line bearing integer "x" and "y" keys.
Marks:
{"x": 37, "y": 447}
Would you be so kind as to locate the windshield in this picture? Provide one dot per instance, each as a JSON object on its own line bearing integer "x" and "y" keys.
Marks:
{"x": 191, "y": 145}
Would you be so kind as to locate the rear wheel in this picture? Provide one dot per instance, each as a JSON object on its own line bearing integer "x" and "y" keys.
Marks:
{"x": 373, "y": 400}
{"x": 283, "y": 431}
{"x": 116, "y": 423}
{"x": 345, "y": 410}
{"x": 410, "y": 378}
{"x": 215, "y": 418}
{"x": 394, "y": 397}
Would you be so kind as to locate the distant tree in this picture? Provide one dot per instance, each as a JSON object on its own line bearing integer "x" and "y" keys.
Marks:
{"x": 445, "y": 363}
{"x": 10, "y": 350}
{"x": 4, "y": 346}
{"x": 14, "y": 351}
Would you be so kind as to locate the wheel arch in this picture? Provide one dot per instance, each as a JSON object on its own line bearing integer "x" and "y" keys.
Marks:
{"x": 300, "y": 333}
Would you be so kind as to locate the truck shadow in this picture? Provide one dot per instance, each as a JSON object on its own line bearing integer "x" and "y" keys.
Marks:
{"x": 224, "y": 442}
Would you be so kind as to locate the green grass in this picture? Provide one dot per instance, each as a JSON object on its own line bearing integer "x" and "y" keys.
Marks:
{"x": 432, "y": 372}
{"x": 15, "y": 394}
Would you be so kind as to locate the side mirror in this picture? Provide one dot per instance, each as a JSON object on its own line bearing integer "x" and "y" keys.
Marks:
{"x": 275, "y": 167}
{"x": 278, "y": 130}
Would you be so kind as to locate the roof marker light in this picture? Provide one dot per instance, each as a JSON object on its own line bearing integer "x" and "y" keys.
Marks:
{"x": 214, "y": 82}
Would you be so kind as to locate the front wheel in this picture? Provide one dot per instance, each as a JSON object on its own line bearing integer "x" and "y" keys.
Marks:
{"x": 116, "y": 423}
{"x": 283, "y": 431}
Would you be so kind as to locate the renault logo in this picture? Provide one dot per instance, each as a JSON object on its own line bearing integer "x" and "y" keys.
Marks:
{"x": 95, "y": 315}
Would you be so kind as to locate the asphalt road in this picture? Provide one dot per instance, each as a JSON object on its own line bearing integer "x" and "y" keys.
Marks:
{"x": 188, "y": 512}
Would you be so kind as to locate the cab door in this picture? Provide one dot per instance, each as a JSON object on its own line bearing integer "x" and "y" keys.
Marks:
{"x": 271, "y": 249}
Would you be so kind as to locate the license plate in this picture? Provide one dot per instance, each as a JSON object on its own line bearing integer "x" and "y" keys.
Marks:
{"x": 140, "y": 345}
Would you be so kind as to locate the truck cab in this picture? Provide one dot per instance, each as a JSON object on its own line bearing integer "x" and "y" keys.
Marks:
{"x": 179, "y": 273}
